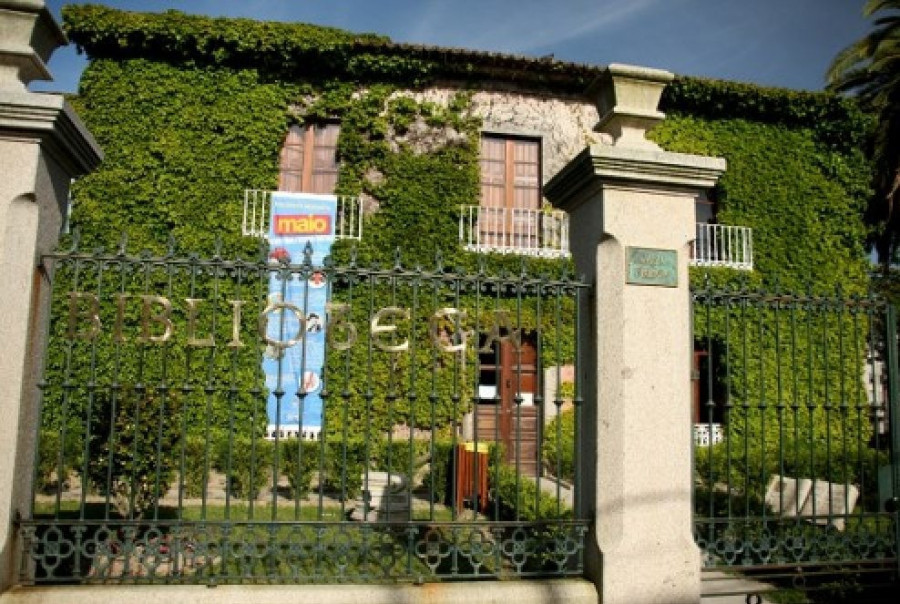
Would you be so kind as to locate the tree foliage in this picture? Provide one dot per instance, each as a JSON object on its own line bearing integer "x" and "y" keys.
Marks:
{"x": 870, "y": 69}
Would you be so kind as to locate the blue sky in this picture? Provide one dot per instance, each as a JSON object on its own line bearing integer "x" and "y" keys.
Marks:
{"x": 773, "y": 42}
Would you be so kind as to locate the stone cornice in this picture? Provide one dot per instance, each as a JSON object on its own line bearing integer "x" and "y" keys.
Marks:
{"x": 49, "y": 119}
{"x": 602, "y": 164}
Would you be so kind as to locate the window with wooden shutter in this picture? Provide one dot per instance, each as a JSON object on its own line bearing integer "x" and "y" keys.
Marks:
{"x": 309, "y": 159}
{"x": 510, "y": 191}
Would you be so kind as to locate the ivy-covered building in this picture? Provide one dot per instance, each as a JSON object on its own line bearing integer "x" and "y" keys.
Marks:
{"x": 438, "y": 149}
{"x": 465, "y": 373}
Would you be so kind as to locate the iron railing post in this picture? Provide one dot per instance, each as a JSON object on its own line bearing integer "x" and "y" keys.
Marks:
{"x": 893, "y": 404}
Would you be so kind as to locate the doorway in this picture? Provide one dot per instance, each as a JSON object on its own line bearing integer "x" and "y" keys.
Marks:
{"x": 506, "y": 411}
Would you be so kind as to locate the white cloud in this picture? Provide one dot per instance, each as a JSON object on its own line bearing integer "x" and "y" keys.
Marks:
{"x": 522, "y": 26}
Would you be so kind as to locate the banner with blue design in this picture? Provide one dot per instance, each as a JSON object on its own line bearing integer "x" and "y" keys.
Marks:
{"x": 294, "y": 357}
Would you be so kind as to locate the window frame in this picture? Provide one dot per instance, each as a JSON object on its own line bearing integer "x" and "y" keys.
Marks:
{"x": 499, "y": 224}
{"x": 297, "y": 165}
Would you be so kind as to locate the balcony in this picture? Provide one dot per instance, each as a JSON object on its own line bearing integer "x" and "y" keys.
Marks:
{"x": 258, "y": 203}
{"x": 722, "y": 245}
{"x": 514, "y": 231}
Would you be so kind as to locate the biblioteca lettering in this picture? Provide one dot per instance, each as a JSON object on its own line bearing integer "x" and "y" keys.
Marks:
{"x": 445, "y": 325}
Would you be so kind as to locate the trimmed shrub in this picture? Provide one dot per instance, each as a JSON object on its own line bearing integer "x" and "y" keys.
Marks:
{"x": 133, "y": 451}
{"x": 250, "y": 464}
{"x": 299, "y": 460}
{"x": 559, "y": 445}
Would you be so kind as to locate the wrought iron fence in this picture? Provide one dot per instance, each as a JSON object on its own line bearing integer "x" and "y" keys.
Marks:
{"x": 154, "y": 462}
{"x": 805, "y": 478}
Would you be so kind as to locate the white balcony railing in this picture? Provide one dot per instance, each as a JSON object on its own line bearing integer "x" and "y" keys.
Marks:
{"x": 258, "y": 203}
{"x": 514, "y": 231}
{"x": 708, "y": 434}
{"x": 723, "y": 245}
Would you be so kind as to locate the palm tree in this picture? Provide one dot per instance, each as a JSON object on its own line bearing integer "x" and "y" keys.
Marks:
{"x": 870, "y": 69}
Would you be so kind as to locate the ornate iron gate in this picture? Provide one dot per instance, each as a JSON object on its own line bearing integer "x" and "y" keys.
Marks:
{"x": 154, "y": 462}
{"x": 797, "y": 453}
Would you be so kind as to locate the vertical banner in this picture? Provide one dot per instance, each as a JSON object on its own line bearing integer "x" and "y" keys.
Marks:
{"x": 295, "y": 353}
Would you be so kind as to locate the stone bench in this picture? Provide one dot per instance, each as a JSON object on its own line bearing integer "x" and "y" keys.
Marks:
{"x": 387, "y": 497}
{"x": 817, "y": 501}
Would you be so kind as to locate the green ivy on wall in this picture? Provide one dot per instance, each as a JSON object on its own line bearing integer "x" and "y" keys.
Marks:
{"x": 803, "y": 199}
{"x": 288, "y": 52}
{"x": 797, "y": 179}
{"x": 181, "y": 145}
{"x": 834, "y": 120}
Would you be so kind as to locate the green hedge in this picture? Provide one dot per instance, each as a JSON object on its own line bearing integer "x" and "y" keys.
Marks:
{"x": 342, "y": 464}
{"x": 739, "y": 477}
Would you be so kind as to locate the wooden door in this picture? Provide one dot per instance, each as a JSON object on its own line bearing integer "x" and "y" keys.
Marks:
{"x": 515, "y": 421}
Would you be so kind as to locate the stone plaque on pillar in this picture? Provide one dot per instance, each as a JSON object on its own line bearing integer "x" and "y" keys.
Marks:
{"x": 650, "y": 266}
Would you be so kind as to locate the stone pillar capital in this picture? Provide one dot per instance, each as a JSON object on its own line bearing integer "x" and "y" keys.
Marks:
{"x": 602, "y": 165}
{"x": 28, "y": 36}
{"x": 627, "y": 99}
{"x": 47, "y": 118}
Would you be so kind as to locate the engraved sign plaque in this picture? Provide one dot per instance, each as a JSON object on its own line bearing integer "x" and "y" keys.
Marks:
{"x": 649, "y": 266}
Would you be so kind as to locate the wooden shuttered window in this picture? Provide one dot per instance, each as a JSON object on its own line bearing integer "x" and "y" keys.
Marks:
{"x": 510, "y": 191}
{"x": 309, "y": 159}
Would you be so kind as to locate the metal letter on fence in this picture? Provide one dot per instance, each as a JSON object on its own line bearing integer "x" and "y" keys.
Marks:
{"x": 264, "y": 322}
{"x": 91, "y": 314}
{"x": 337, "y": 320}
{"x": 192, "y": 339}
{"x": 378, "y": 329}
{"x": 236, "y": 306}
{"x": 164, "y": 318}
